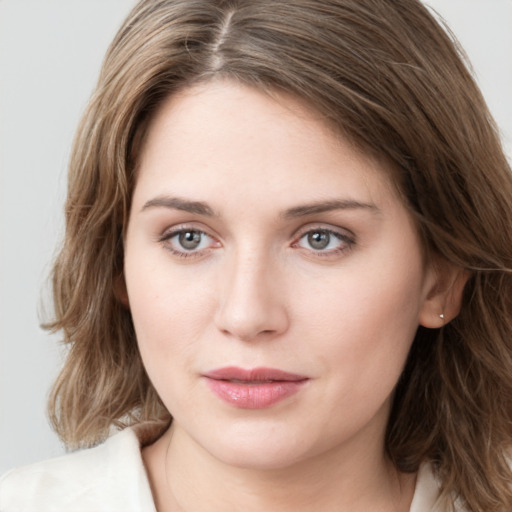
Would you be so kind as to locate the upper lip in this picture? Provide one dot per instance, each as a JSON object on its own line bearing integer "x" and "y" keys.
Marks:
{"x": 233, "y": 373}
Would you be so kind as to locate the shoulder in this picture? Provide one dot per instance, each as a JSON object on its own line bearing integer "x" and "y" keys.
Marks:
{"x": 110, "y": 477}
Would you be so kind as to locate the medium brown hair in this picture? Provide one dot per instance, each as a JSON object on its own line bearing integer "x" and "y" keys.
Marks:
{"x": 387, "y": 75}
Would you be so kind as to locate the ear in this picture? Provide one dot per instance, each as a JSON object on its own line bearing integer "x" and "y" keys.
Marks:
{"x": 120, "y": 291}
{"x": 444, "y": 295}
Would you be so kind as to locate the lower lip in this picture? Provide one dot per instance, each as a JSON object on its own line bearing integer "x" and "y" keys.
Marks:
{"x": 254, "y": 395}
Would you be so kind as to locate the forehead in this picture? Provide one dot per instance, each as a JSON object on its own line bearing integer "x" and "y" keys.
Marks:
{"x": 222, "y": 134}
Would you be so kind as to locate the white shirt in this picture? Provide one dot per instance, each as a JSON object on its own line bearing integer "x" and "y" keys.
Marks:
{"x": 111, "y": 477}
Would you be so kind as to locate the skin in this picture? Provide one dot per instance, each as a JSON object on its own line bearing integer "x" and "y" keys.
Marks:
{"x": 255, "y": 292}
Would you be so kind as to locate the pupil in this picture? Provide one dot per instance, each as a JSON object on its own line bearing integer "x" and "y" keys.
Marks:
{"x": 319, "y": 239}
{"x": 190, "y": 239}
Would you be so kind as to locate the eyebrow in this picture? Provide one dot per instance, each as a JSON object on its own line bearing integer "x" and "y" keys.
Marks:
{"x": 178, "y": 203}
{"x": 327, "y": 206}
{"x": 202, "y": 208}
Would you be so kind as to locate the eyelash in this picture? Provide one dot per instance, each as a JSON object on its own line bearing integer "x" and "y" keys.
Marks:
{"x": 347, "y": 242}
{"x": 166, "y": 240}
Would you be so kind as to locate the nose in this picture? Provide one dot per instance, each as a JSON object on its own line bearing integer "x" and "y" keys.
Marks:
{"x": 251, "y": 300}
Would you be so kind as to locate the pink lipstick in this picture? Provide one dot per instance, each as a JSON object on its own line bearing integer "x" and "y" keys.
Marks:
{"x": 258, "y": 388}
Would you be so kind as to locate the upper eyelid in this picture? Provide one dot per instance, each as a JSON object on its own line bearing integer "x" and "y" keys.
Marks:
{"x": 167, "y": 236}
{"x": 343, "y": 232}
{"x": 173, "y": 230}
{"x": 336, "y": 230}
{"x": 342, "y": 238}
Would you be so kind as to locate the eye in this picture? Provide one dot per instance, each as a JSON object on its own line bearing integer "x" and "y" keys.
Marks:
{"x": 187, "y": 242}
{"x": 323, "y": 240}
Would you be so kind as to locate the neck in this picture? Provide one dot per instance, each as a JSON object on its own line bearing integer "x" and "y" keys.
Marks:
{"x": 184, "y": 477}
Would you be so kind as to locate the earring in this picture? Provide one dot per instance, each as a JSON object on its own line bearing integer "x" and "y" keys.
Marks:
{"x": 441, "y": 316}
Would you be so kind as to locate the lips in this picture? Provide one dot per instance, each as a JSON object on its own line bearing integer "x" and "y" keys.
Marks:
{"x": 257, "y": 388}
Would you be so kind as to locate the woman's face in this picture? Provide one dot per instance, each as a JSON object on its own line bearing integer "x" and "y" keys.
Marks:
{"x": 275, "y": 279}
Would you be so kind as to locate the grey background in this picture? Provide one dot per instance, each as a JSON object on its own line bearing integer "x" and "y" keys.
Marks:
{"x": 50, "y": 53}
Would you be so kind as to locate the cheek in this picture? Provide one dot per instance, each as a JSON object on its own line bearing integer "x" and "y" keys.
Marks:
{"x": 356, "y": 302}
{"x": 364, "y": 323}
{"x": 169, "y": 309}
{"x": 169, "y": 316}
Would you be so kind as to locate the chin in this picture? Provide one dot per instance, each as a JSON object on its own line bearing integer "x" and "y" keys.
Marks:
{"x": 259, "y": 459}
{"x": 270, "y": 448}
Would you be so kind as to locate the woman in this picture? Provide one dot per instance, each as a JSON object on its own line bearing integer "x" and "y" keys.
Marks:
{"x": 288, "y": 232}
